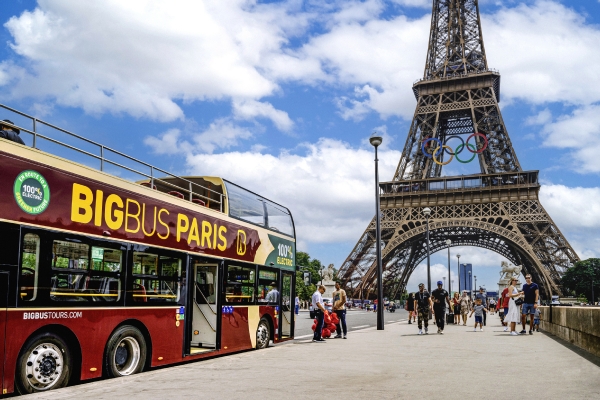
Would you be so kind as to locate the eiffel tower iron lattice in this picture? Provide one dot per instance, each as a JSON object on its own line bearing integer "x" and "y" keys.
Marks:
{"x": 497, "y": 209}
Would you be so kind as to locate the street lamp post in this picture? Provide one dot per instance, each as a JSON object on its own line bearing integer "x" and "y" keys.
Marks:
{"x": 449, "y": 242}
{"x": 458, "y": 271}
{"x": 427, "y": 212}
{"x": 444, "y": 278}
{"x": 470, "y": 284}
{"x": 375, "y": 141}
{"x": 475, "y": 286}
{"x": 593, "y": 292}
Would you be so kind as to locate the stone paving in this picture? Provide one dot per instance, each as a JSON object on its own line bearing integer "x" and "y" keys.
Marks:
{"x": 370, "y": 364}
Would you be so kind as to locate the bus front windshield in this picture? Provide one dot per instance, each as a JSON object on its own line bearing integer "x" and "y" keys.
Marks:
{"x": 257, "y": 210}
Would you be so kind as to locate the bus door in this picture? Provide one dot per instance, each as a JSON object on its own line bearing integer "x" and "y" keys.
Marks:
{"x": 286, "y": 316}
{"x": 3, "y": 312}
{"x": 204, "y": 314}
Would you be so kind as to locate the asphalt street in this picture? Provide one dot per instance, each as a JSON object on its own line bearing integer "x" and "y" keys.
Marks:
{"x": 355, "y": 320}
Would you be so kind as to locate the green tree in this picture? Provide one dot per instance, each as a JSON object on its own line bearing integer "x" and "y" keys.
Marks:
{"x": 306, "y": 264}
{"x": 578, "y": 279}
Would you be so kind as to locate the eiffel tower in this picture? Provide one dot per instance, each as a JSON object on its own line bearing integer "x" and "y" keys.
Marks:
{"x": 497, "y": 209}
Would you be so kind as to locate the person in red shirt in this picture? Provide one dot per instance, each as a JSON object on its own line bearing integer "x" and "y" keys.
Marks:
{"x": 504, "y": 301}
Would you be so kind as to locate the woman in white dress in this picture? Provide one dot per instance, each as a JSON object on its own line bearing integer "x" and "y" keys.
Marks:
{"x": 514, "y": 315}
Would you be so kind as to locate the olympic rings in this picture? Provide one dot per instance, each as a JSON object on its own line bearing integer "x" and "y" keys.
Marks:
{"x": 443, "y": 147}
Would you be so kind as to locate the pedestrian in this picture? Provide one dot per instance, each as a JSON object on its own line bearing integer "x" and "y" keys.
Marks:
{"x": 319, "y": 310}
{"x": 536, "y": 319}
{"x": 530, "y": 303}
{"x": 440, "y": 298}
{"x": 482, "y": 296}
{"x": 504, "y": 300}
{"x": 456, "y": 308}
{"x": 410, "y": 307}
{"x": 273, "y": 294}
{"x": 465, "y": 304}
{"x": 513, "y": 316}
{"x": 339, "y": 307}
{"x": 297, "y": 305}
{"x": 375, "y": 306}
{"x": 423, "y": 305}
{"x": 10, "y": 133}
{"x": 479, "y": 310}
{"x": 492, "y": 306}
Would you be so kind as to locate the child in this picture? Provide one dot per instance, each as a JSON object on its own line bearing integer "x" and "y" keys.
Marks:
{"x": 478, "y": 309}
{"x": 536, "y": 319}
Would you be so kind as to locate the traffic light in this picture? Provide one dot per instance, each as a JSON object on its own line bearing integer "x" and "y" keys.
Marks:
{"x": 307, "y": 279}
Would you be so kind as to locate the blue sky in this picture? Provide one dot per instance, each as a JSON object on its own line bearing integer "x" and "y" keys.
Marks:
{"x": 281, "y": 97}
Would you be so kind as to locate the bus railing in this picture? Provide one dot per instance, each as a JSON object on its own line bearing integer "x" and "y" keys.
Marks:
{"x": 212, "y": 195}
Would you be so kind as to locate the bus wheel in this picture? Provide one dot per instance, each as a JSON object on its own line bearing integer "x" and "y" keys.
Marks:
{"x": 44, "y": 364}
{"x": 125, "y": 352}
{"x": 263, "y": 334}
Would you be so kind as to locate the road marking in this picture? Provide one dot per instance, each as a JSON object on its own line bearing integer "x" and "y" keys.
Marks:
{"x": 360, "y": 326}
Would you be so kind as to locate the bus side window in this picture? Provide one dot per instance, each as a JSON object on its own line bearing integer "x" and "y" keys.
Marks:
{"x": 30, "y": 258}
{"x": 239, "y": 285}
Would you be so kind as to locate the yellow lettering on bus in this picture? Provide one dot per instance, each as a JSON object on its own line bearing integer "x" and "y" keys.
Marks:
{"x": 99, "y": 204}
{"x": 193, "y": 235}
{"x": 183, "y": 224}
{"x": 214, "y": 244}
{"x": 81, "y": 204}
{"x": 129, "y": 215}
{"x": 223, "y": 245}
{"x": 144, "y": 221}
{"x": 160, "y": 221}
{"x": 241, "y": 242}
{"x": 206, "y": 233}
{"x": 113, "y": 218}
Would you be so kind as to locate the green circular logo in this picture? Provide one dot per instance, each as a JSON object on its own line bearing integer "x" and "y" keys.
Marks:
{"x": 32, "y": 192}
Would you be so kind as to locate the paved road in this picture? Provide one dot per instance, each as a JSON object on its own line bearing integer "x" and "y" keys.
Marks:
{"x": 390, "y": 364}
{"x": 354, "y": 320}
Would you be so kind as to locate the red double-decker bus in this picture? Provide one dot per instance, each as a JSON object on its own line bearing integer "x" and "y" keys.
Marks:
{"x": 105, "y": 276}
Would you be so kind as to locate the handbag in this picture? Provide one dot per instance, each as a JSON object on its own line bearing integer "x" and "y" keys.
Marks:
{"x": 519, "y": 301}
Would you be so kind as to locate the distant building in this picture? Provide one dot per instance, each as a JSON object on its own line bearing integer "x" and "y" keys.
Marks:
{"x": 464, "y": 282}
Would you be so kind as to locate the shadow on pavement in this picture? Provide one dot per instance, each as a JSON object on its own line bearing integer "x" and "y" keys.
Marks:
{"x": 588, "y": 356}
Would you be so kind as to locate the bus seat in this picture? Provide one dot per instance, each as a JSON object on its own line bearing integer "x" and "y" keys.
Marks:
{"x": 139, "y": 290}
{"x": 147, "y": 184}
{"x": 198, "y": 201}
{"x": 176, "y": 194}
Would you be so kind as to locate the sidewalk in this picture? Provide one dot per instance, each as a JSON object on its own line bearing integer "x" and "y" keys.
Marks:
{"x": 390, "y": 364}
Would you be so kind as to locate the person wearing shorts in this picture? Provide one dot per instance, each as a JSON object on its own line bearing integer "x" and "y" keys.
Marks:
{"x": 530, "y": 303}
{"x": 478, "y": 310}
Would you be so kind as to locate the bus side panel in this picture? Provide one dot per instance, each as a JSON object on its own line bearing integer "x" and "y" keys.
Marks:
{"x": 3, "y": 312}
{"x": 272, "y": 312}
{"x": 235, "y": 329}
{"x": 93, "y": 327}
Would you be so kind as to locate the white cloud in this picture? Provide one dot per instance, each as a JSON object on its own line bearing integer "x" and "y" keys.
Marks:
{"x": 168, "y": 143}
{"x": 142, "y": 57}
{"x": 249, "y": 109}
{"x": 327, "y": 185}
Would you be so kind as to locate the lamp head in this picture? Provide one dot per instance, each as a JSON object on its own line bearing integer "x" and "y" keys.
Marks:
{"x": 375, "y": 139}
{"x": 458, "y": 256}
{"x": 427, "y": 211}
{"x": 448, "y": 242}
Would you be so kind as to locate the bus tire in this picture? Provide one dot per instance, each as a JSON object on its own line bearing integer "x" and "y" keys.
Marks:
{"x": 125, "y": 352}
{"x": 43, "y": 364}
{"x": 263, "y": 334}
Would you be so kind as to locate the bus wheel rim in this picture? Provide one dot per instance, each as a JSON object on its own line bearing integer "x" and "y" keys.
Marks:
{"x": 44, "y": 366}
{"x": 262, "y": 335}
{"x": 127, "y": 356}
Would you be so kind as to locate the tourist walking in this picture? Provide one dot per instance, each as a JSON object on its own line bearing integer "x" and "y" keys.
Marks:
{"x": 297, "y": 305}
{"x": 504, "y": 300}
{"x": 483, "y": 297}
{"x": 440, "y": 298}
{"x": 492, "y": 306}
{"x": 536, "y": 319}
{"x": 465, "y": 304}
{"x": 339, "y": 307}
{"x": 319, "y": 310}
{"x": 530, "y": 303}
{"x": 479, "y": 310}
{"x": 456, "y": 308}
{"x": 513, "y": 316}
{"x": 410, "y": 307}
{"x": 422, "y": 306}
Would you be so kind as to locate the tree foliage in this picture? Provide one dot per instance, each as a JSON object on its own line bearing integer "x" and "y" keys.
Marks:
{"x": 578, "y": 279}
{"x": 306, "y": 264}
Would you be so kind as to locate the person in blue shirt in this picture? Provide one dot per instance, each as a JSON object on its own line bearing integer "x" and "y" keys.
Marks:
{"x": 530, "y": 303}
{"x": 10, "y": 133}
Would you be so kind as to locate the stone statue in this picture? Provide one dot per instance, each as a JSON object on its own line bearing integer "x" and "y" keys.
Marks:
{"x": 327, "y": 274}
{"x": 508, "y": 272}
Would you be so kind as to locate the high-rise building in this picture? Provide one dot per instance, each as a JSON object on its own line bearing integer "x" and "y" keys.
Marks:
{"x": 465, "y": 279}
